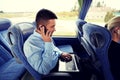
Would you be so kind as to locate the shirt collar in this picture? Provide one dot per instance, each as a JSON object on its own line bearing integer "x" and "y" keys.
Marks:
{"x": 36, "y": 33}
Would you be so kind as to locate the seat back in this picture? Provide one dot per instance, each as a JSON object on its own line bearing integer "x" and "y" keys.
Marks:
{"x": 4, "y": 25}
{"x": 17, "y": 34}
{"x": 96, "y": 40}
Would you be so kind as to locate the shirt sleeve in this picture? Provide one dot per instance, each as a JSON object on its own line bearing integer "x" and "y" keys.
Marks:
{"x": 59, "y": 52}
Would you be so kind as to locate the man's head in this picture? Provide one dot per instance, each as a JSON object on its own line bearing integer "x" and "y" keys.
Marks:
{"x": 114, "y": 26}
{"x": 46, "y": 18}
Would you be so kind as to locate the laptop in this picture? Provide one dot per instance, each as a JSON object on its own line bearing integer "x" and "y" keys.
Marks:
{"x": 68, "y": 66}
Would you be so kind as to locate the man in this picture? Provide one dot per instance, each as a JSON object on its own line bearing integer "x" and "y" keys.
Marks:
{"x": 114, "y": 49}
{"x": 39, "y": 48}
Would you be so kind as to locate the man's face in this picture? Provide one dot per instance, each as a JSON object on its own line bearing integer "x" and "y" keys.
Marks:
{"x": 51, "y": 25}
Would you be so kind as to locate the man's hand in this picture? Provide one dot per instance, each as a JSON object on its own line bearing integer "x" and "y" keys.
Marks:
{"x": 65, "y": 57}
{"x": 46, "y": 37}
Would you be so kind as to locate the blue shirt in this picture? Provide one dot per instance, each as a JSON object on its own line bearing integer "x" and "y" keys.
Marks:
{"x": 42, "y": 56}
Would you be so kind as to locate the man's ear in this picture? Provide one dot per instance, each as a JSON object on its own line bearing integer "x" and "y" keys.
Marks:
{"x": 39, "y": 26}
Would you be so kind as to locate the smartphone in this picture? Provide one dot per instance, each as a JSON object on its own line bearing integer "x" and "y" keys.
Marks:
{"x": 45, "y": 30}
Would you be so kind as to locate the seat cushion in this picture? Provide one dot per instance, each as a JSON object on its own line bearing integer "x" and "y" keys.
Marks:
{"x": 11, "y": 70}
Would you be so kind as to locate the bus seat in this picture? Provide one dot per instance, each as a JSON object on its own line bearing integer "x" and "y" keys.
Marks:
{"x": 17, "y": 34}
{"x": 96, "y": 40}
{"x": 4, "y": 25}
{"x": 9, "y": 68}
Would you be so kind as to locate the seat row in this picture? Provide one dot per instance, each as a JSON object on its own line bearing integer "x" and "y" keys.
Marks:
{"x": 94, "y": 38}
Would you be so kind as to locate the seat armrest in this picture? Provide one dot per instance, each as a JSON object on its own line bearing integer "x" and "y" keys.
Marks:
{"x": 66, "y": 48}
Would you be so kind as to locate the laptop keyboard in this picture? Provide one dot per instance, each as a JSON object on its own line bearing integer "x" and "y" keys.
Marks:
{"x": 70, "y": 65}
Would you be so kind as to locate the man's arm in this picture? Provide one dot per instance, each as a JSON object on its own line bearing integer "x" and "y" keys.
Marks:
{"x": 41, "y": 57}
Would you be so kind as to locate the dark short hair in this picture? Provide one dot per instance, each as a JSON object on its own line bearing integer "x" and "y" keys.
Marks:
{"x": 44, "y": 15}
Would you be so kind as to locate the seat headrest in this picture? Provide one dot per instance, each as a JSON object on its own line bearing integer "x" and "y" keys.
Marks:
{"x": 4, "y": 24}
{"x": 97, "y": 36}
{"x": 26, "y": 29}
{"x": 80, "y": 24}
{"x": 22, "y": 30}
